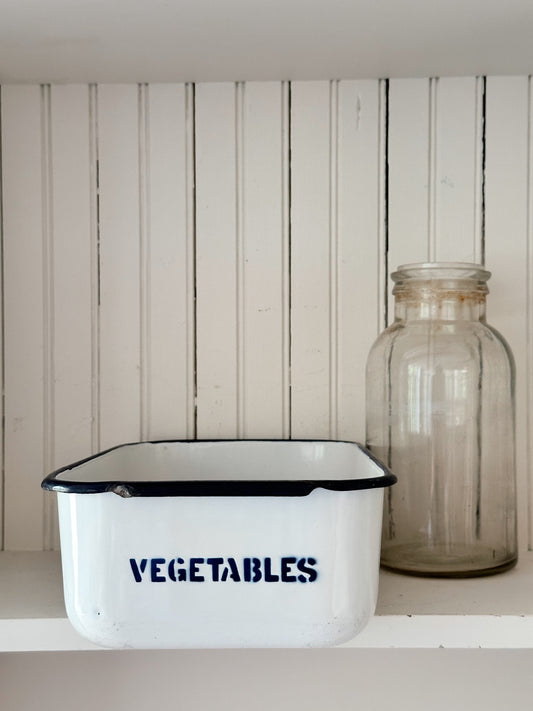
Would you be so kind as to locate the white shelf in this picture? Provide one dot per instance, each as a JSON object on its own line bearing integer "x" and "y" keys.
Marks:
{"x": 201, "y": 40}
{"x": 493, "y": 612}
{"x": 32, "y": 612}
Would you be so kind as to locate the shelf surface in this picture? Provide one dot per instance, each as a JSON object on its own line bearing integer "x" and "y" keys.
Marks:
{"x": 487, "y": 612}
{"x": 493, "y": 612}
{"x": 55, "y": 41}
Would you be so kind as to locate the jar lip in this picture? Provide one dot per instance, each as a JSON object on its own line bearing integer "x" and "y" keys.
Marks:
{"x": 441, "y": 270}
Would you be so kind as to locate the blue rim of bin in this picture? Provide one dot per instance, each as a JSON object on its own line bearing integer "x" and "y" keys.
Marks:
{"x": 226, "y": 487}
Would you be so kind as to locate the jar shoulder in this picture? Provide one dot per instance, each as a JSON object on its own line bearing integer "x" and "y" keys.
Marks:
{"x": 409, "y": 339}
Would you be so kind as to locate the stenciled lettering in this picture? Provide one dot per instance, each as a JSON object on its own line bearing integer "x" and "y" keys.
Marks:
{"x": 138, "y": 569}
{"x": 285, "y": 569}
{"x": 155, "y": 569}
{"x": 306, "y": 567}
{"x": 215, "y": 564}
{"x": 194, "y": 570}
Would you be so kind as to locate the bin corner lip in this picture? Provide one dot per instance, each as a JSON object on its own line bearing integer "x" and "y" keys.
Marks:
{"x": 237, "y": 487}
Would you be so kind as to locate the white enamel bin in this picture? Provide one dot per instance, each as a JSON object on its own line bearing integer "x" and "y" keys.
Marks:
{"x": 221, "y": 543}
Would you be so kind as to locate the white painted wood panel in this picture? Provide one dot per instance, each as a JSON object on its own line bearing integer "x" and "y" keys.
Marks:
{"x": 219, "y": 350}
{"x": 455, "y": 169}
{"x": 71, "y": 411}
{"x": 26, "y": 317}
{"x": 359, "y": 255}
{"x": 337, "y": 258}
{"x": 167, "y": 153}
{"x": 435, "y": 178}
{"x": 242, "y": 260}
{"x": 408, "y": 174}
{"x": 313, "y": 225}
{"x": 119, "y": 265}
{"x": 263, "y": 163}
{"x": 507, "y": 248}
{"x": 435, "y": 170}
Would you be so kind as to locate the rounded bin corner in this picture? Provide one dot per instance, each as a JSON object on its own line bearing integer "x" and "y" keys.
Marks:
{"x": 88, "y": 630}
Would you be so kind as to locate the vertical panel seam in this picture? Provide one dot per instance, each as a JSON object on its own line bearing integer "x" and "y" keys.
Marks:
{"x": 333, "y": 259}
{"x": 240, "y": 257}
{"x": 529, "y": 308}
{"x": 94, "y": 198}
{"x": 48, "y": 304}
{"x": 432, "y": 168}
{"x": 383, "y": 205}
{"x": 2, "y": 347}
{"x": 479, "y": 171}
{"x": 145, "y": 260}
{"x": 286, "y": 257}
{"x": 191, "y": 269}
{"x": 483, "y": 167}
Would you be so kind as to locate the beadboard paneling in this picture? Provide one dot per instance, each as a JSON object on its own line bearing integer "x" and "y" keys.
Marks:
{"x": 72, "y": 295}
{"x": 242, "y": 260}
{"x": 219, "y": 350}
{"x": 408, "y": 171}
{"x": 212, "y": 260}
{"x": 313, "y": 339}
{"x": 167, "y": 261}
{"x": 263, "y": 155}
{"x": 25, "y": 214}
{"x": 436, "y": 160}
{"x": 456, "y": 156}
{"x": 119, "y": 282}
{"x": 359, "y": 252}
{"x": 507, "y": 250}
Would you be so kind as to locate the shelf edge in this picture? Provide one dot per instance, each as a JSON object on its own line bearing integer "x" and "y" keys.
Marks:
{"x": 446, "y": 632}
{"x": 41, "y": 635}
{"x": 382, "y": 632}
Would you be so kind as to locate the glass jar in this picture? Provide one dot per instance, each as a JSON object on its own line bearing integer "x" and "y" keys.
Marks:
{"x": 440, "y": 414}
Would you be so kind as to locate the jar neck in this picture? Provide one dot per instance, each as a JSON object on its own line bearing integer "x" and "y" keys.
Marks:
{"x": 439, "y": 302}
{"x": 440, "y": 291}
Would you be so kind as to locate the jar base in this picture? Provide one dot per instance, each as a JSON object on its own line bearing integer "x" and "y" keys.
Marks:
{"x": 466, "y": 562}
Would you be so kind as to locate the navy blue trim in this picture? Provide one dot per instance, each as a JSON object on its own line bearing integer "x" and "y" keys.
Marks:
{"x": 300, "y": 487}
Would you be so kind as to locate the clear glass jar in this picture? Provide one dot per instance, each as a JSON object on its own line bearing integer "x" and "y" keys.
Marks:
{"x": 440, "y": 414}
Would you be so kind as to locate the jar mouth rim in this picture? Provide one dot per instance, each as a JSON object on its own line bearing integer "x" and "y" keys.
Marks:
{"x": 441, "y": 270}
